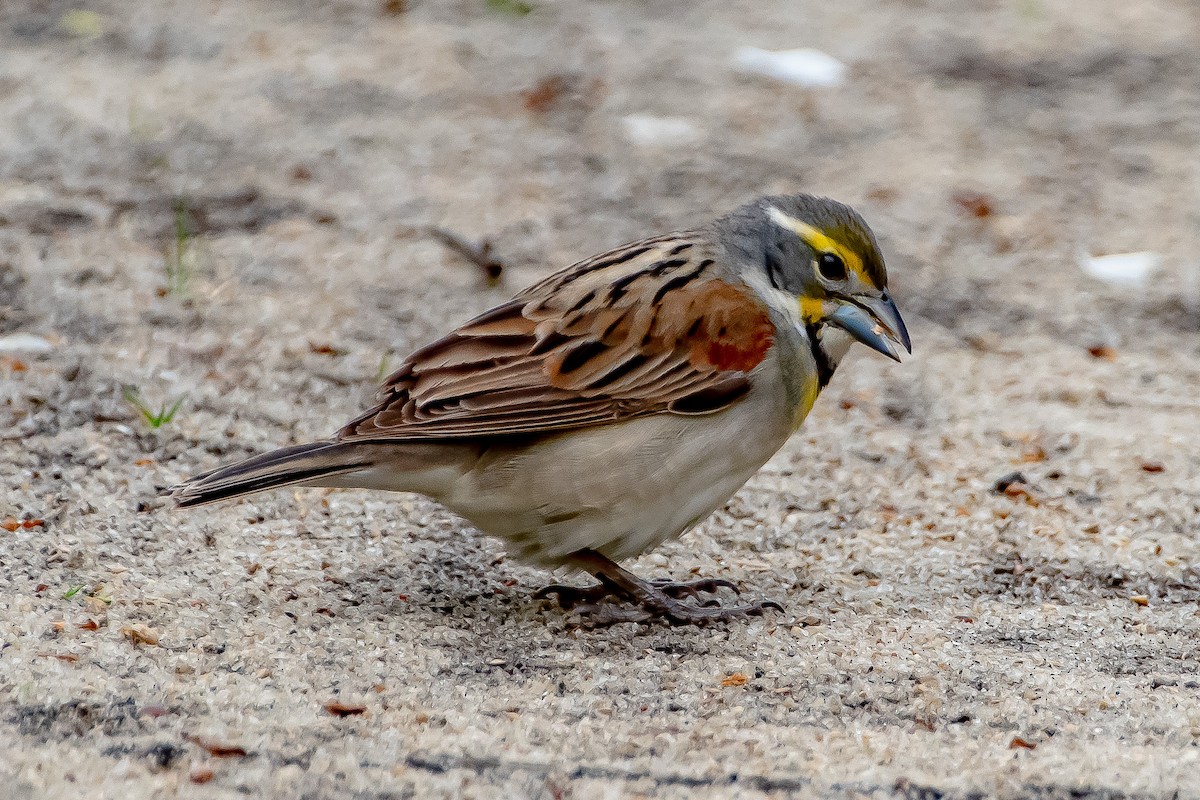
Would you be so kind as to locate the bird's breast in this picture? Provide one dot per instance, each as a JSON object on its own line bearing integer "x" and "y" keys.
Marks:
{"x": 797, "y": 374}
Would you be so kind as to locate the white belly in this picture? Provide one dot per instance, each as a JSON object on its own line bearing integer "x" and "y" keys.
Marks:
{"x": 620, "y": 489}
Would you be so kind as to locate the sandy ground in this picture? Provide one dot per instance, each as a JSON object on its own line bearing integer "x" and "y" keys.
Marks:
{"x": 942, "y": 639}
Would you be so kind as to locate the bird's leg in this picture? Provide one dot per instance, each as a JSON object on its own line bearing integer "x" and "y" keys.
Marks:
{"x": 650, "y": 599}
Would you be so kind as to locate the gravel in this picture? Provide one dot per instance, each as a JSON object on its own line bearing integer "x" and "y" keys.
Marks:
{"x": 943, "y": 637}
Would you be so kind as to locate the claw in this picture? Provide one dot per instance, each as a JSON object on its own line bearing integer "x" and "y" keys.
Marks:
{"x": 682, "y": 589}
{"x": 724, "y": 584}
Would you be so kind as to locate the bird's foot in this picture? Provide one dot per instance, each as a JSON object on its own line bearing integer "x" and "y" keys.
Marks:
{"x": 621, "y": 596}
{"x": 671, "y": 611}
{"x": 571, "y": 597}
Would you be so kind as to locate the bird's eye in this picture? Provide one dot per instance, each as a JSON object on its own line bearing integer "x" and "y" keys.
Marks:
{"x": 831, "y": 267}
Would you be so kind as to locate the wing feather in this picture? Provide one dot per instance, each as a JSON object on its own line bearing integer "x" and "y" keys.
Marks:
{"x": 648, "y": 328}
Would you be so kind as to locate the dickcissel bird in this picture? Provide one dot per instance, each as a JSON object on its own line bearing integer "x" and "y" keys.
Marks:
{"x": 618, "y": 402}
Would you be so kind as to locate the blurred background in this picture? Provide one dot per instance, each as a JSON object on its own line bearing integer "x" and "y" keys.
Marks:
{"x": 260, "y": 208}
{"x": 222, "y": 222}
{"x": 280, "y": 148}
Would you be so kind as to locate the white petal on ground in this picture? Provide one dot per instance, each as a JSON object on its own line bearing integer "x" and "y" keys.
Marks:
{"x": 802, "y": 67}
{"x": 649, "y": 130}
{"x": 1122, "y": 269}
{"x": 25, "y": 343}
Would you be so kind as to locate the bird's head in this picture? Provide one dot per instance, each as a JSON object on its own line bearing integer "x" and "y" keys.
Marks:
{"x": 822, "y": 253}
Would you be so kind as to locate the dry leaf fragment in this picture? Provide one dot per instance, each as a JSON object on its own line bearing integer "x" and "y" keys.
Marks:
{"x": 734, "y": 679}
{"x": 542, "y": 96}
{"x": 344, "y": 709}
{"x": 139, "y": 633}
{"x": 1001, "y": 485}
{"x": 10, "y": 524}
{"x": 1033, "y": 455}
{"x": 323, "y": 349}
{"x": 1141, "y": 600}
{"x": 68, "y": 657}
{"x": 1015, "y": 485}
{"x": 977, "y": 204}
{"x": 97, "y": 604}
{"x": 1021, "y": 490}
{"x": 89, "y": 625}
{"x": 1021, "y": 743}
{"x": 216, "y": 749}
{"x": 203, "y": 775}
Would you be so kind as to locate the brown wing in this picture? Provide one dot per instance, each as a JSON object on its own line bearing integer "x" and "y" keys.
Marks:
{"x": 645, "y": 329}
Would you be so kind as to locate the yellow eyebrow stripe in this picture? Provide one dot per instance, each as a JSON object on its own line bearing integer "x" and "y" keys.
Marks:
{"x": 818, "y": 240}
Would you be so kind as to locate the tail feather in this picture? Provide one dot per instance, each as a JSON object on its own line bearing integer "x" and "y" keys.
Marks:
{"x": 287, "y": 466}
